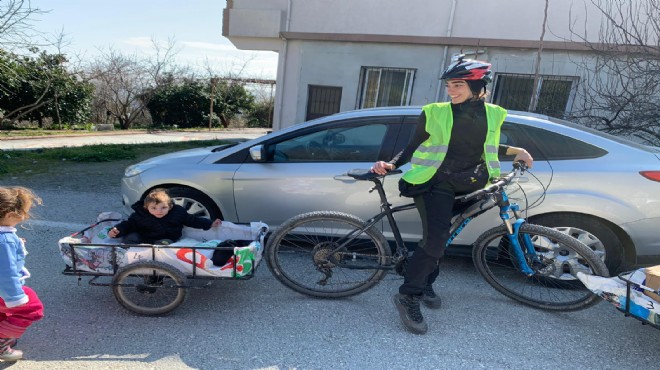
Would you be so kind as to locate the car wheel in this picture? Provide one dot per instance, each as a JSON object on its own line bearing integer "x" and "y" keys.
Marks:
{"x": 593, "y": 233}
{"x": 195, "y": 202}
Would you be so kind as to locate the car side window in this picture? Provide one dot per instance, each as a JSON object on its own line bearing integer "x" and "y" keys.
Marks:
{"x": 511, "y": 135}
{"x": 545, "y": 144}
{"x": 336, "y": 144}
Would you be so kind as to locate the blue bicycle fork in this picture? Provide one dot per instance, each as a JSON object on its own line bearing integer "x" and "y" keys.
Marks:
{"x": 513, "y": 231}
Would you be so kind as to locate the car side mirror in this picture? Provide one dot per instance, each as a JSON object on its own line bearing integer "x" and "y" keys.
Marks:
{"x": 258, "y": 153}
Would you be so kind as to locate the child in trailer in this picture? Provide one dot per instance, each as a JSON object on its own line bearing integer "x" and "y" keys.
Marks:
{"x": 19, "y": 305}
{"x": 157, "y": 220}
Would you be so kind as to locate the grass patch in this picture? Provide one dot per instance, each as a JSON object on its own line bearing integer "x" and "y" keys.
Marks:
{"x": 15, "y": 162}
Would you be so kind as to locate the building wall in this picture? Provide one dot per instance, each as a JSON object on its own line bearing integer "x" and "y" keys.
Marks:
{"x": 326, "y": 42}
{"x": 339, "y": 64}
{"x": 502, "y": 19}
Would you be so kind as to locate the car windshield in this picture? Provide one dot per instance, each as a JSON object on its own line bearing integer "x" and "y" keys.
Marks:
{"x": 605, "y": 135}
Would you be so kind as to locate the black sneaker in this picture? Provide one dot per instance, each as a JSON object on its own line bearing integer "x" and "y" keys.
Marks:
{"x": 430, "y": 299}
{"x": 411, "y": 315}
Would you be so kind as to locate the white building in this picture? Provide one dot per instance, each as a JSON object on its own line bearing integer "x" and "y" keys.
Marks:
{"x": 338, "y": 55}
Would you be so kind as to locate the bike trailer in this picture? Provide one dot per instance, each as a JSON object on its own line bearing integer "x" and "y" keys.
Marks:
{"x": 635, "y": 293}
{"x": 231, "y": 250}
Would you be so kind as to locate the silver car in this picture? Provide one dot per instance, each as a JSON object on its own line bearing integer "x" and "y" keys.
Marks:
{"x": 601, "y": 189}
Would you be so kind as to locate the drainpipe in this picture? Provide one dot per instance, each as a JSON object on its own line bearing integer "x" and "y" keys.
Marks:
{"x": 450, "y": 27}
{"x": 279, "y": 96}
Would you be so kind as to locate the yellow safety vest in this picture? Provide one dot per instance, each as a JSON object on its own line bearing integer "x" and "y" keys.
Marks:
{"x": 429, "y": 155}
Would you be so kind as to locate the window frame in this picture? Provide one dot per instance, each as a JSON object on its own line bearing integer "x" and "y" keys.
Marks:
{"x": 497, "y": 93}
{"x": 316, "y": 90}
{"x": 406, "y": 92}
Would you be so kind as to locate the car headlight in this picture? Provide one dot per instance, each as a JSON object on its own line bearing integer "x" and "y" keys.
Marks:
{"x": 135, "y": 169}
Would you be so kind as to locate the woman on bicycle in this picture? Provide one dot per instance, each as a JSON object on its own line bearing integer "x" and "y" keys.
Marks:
{"x": 454, "y": 151}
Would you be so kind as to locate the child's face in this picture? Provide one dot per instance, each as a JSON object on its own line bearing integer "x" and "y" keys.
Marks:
{"x": 158, "y": 210}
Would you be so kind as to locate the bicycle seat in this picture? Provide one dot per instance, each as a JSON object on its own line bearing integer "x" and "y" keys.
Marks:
{"x": 362, "y": 174}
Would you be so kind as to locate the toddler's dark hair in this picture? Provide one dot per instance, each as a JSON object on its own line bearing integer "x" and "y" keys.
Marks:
{"x": 156, "y": 196}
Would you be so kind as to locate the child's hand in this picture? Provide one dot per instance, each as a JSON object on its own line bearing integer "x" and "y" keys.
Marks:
{"x": 113, "y": 232}
{"x": 216, "y": 223}
{"x": 24, "y": 275}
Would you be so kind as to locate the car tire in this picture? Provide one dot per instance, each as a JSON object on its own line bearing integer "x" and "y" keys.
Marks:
{"x": 593, "y": 232}
{"x": 195, "y": 202}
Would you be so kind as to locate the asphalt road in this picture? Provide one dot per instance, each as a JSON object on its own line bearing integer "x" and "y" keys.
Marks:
{"x": 260, "y": 324}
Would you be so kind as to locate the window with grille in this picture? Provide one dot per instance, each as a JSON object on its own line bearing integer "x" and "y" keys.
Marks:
{"x": 322, "y": 101}
{"x": 385, "y": 87}
{"x": 555, "y": 93}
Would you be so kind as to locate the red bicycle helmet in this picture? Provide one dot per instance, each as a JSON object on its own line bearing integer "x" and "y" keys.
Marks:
{"x": 468, "y": 69}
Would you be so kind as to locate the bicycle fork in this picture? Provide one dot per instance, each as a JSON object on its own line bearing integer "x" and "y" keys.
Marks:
{"x": 520, "y": 252}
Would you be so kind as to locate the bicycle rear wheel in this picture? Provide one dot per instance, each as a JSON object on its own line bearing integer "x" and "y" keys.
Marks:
{"x": 554, "y": 285}
{"x": 303, "y": 255}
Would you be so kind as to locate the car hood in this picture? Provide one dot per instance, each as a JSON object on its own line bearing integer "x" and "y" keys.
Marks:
{"x": 182, "y": 157}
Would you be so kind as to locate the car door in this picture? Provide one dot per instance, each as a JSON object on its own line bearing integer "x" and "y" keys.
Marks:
{"x": 306, "y": 171}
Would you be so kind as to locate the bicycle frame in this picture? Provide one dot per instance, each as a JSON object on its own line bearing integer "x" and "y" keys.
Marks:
{"x": 460, "y": 219}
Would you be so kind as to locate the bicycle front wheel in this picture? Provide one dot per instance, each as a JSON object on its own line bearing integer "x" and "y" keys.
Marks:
{"x": 325, "y": 254}
{"x": 554, "y": 284}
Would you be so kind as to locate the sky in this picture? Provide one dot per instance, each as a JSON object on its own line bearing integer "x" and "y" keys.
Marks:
{"x": 130, "y": 25}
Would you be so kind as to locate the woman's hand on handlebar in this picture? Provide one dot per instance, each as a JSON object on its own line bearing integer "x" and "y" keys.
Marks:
{"x": 381, "y": 167}
{"x": 522, "y": 156}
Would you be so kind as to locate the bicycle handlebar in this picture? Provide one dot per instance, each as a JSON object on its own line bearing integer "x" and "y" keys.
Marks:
{"x": 519, "y": 166}
{"x": 361, "y": 174}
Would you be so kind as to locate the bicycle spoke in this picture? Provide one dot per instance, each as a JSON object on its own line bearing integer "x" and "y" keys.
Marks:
{"x": 313, "y": 255}
{"x": 558, "y": 258}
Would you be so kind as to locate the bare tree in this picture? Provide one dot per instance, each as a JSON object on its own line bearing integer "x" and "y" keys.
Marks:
{"x": 620, "y": 87}
{"x": 534, "y": 98}
{"x": 16, "y": 29}
{"x": 123, "y": 82}
{"x": 119, "y": 81}
{"x": 162, "y": 66}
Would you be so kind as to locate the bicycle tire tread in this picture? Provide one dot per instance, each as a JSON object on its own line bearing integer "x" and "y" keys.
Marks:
{"x": 594, "y": 262}
{"x": 275, "y": 239}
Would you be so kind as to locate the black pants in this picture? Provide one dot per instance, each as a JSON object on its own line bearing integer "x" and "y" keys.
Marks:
{"x": 132, "y": 238}
{"x": 136, "y": 238}
{"x": 435, "y": 209}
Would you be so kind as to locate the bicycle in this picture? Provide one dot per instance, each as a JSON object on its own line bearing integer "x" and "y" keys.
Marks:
{"x": 331, "y": 254}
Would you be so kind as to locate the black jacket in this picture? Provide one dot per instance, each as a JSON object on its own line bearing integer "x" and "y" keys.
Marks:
{"x": 152, "y": 229}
